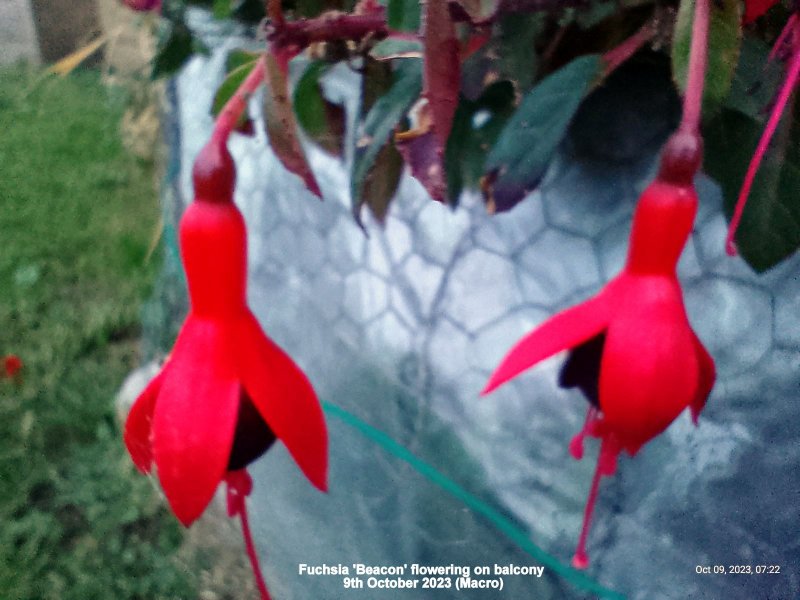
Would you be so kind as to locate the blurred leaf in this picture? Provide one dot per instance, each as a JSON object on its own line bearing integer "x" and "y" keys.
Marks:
{"x": 391, "y": 48}
{"x": 322, "y": 120}
{"x": 404, "y": 15}
{"x": 222, "y": 9}
{"x": 594, "y": 13}
{"x": 229, "y": 86}
{"x": 381, "y": 182}
{"x": 282, "y": 126}
{"x": 442, "y": 67}
{"x": 175, "y": 46}
{"x": 475, "y": 129}
{"x": 510, "y": 55}
{"x": 237, "y": 58}
{"x": 724, "y": 39}
{"x": 770, "y": 226}
{"x": 525, "y": 147}
{"x": 383, "y": 116}
{"x": 755, "y": 81}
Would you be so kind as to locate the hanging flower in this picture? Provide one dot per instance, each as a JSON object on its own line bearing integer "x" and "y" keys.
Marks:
{"x": 634, "y": 353}
{"x": 227, "y": 391}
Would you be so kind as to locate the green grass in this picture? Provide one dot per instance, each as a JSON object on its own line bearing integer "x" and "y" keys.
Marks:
{"x": 76, "y": 217}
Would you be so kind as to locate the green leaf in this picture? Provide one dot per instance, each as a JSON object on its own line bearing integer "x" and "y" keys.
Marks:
{"x": 282, "y": 126}
{"x": 322, "y": 120}
{"x": 175, "y": 46}
{"x": 381, "y": 120}
{"x": 755, "y": 81}
{"x": 519, "y": 159}
{"x": 475, "y": 129}
{"x": 724, "y": 39}
{"x": 222, "y": 9}
{"x": 237, "y": 58}
{"x": 229, "y": 86}
{"x": 403, "y": 15}
{"x": 770, "y": 228}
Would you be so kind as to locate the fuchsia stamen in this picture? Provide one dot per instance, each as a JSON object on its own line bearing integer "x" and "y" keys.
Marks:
{"x": 792, "y": 34}
{"x": 239, "y": 486}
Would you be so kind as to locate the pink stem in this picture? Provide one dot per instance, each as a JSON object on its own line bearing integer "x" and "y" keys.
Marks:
{"x": 698, "y": 58}
{"x": 233, "y": 109}
{"x": 239, "y": 487}
{"x": 761, "y": 149}
{"x": 616, "y": 56}
{"x": 786, "y": 33}
{"x": 581, "y": 560}
{"x": 251, "y": 553}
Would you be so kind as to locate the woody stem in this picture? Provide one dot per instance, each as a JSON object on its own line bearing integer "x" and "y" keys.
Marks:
{"x": 233, "y": 109}
{"x": 698, "y": 59}
{"x": 251, "y": 552}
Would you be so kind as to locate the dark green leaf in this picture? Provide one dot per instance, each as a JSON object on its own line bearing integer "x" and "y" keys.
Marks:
{"x": 755, "y": 81}
{"x": 510, "y": 54}
{"x": 475, "y": 129}
{"x": 229, "y": 86}
{"x": 322, "y": 120}
{"x": 522, "y": 153}
{"x": 282, "y": 126}
{"x": 724, "y": 39}
{"x": 381, "y": 120}
{"x": 770, "y": 227}
{"x": 175, "y": 47}
{"x": 404, "y": 15}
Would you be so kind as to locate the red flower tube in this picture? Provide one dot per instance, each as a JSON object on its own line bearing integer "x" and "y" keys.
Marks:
{"x": 634, "y": 353}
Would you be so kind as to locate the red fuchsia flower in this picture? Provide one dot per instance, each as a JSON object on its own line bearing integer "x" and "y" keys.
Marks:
{"x": 633, "y": 351}
{"x": 787, "y": 47}
{"x": 12, "y": 365}
{"x": 227, "y": 391}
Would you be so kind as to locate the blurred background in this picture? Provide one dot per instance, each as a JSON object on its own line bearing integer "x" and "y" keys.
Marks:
{"x": 398, "y": 331}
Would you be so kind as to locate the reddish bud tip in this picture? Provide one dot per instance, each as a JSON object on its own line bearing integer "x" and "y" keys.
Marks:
{"x": 681, "y": 158}
{"x": 214, "y": 172}
{"x": 143, "y": 5}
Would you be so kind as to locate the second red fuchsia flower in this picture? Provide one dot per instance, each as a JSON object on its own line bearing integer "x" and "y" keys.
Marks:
{"x": 634, "y": 353}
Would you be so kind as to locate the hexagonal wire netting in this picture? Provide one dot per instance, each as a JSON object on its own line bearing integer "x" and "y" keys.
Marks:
{"x": 399, "y": 330}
